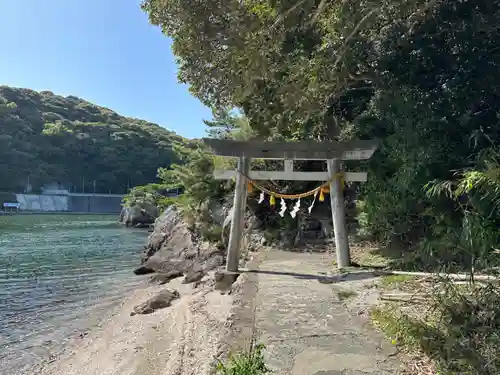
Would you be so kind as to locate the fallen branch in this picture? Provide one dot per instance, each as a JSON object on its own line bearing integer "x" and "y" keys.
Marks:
{"x": 404, "y": 294}
{"x": 453, "y": 276}
{"x": 466, "y": 283}
{"x": 403, "y": 299}
{"x": 417, "y": 296}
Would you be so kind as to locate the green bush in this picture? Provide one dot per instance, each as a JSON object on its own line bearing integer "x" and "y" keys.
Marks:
{"x": 212, "y": 233}
{"x": 251, "y": 363}
{"x": 460, "y": 332}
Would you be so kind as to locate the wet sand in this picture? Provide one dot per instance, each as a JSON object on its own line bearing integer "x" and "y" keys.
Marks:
{"x": 185, "y": 338}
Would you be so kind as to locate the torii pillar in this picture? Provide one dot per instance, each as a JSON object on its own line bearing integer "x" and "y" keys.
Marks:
{"x": 332, "y": 152}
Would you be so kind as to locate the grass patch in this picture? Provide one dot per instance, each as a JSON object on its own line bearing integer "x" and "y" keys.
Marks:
{"x": 373, "y": 258}
{"x": 371, "y": 255}
{"x": 346, "y": 294}
{"x": 399, "y": 328}
{"x": 458, "y": 331}
{"x": 247, "y": 363}
{"x": 393, "y": 281}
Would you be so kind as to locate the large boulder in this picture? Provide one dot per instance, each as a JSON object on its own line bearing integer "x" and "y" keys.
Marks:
{"x": 139, "y": 215}
{"x": 160, "y": 301}
{"x": 174, "y": 250}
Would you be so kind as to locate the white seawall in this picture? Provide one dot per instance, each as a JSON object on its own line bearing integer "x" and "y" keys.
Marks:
{"x": 44, "y": 203}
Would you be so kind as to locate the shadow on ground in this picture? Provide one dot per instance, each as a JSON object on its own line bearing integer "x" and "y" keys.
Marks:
{"x": 355, "y": 276}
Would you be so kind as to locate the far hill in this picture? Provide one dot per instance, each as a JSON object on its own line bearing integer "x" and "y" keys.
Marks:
{"x": 47, "y": 138}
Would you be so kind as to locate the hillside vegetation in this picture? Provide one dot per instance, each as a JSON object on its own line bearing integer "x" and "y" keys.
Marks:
{"x": 47, "y": 138}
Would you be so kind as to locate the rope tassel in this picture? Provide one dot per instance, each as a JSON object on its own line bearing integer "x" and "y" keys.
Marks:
{"x": 272, "y": 200}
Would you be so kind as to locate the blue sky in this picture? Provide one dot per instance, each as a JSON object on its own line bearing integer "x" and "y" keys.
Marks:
{"x": 104, "y": 51}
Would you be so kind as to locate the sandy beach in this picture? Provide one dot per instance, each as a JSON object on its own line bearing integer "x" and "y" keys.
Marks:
{"x": 182, "y": 339}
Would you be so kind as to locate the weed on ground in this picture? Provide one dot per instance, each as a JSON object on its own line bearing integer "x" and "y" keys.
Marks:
{"x": 456, "y": 332}
{"x": 245, "y": 363}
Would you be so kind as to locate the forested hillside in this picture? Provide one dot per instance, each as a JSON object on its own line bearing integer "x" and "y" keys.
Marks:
{"x": 46, "y": 138}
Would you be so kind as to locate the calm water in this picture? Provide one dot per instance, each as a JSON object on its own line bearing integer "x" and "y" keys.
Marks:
{"x": 56, "y": 271}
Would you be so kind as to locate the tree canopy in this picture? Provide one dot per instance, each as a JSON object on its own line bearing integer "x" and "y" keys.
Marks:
{"x": 420, "y": 75}
{"x": 46, "y": 138}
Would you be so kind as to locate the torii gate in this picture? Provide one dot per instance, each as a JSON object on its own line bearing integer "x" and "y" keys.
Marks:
{"x": 332, "y": 152}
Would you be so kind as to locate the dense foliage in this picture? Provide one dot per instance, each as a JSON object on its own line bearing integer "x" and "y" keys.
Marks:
{"x": 201, "y": 193}
{"x": 457, "y": 330}
{"x": 46, "y": 138}
{"x": 420, "y": 75}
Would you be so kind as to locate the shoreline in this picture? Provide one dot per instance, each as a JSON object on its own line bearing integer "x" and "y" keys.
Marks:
{"x": 63, "y": 276}
{"x": 184, "y": 338}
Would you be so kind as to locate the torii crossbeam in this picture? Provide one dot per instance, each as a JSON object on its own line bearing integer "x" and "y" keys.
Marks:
{"x": 332, "y": 152}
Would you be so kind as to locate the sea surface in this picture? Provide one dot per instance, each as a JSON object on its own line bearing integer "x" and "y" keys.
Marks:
{"x": 57, "y": 274}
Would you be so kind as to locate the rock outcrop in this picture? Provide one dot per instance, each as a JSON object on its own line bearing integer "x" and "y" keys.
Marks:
{"x": 173, "y": 250}
{"x": 165, "y": 277}
{"x": 160, "y": 301}
{"x": 139, "y": 215}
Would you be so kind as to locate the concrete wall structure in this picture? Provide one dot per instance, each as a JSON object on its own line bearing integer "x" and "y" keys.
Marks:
{"x": 44, "y": 203}
{"x": 95, "y": 203}
{"x": 84, "y": 203}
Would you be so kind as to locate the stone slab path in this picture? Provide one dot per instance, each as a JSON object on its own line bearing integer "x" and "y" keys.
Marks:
{"x": 305, "y": 327}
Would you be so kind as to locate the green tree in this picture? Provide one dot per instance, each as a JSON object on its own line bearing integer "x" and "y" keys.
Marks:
{"x": 420, "y": 75}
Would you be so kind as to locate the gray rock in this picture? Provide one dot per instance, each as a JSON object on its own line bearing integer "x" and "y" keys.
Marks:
{"x": 142, "y": 225}
{"x": 164, "y": 278}
{"x": 139, "y": 216}
{"x": 173, "y": 248}
{"x": 193, "y": 276}
{"x": 160, "y": 301}
{"x": 214, "y": 262}
{"x": 143, "y": 271}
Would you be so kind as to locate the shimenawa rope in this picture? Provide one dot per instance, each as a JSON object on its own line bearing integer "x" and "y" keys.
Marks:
{"x": 324, "y": 188}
